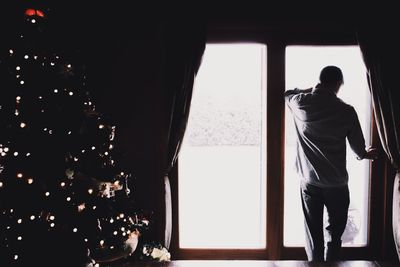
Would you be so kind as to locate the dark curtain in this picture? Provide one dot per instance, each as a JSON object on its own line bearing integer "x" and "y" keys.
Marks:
{"x": 381, "y": 56}
{"x": 184, "y": 47}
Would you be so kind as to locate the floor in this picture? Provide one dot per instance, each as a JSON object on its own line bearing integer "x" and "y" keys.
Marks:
{"x": 242, "y": 263}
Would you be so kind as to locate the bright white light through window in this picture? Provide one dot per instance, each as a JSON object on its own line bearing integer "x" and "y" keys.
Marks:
{"x": 222, "y": 190}
{"x": 303, "y": 65}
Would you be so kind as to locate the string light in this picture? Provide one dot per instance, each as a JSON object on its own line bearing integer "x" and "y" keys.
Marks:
{"x": 22, "y": 80}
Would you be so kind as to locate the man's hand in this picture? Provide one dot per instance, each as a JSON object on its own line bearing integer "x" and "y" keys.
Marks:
{"x": 372, "y": 153}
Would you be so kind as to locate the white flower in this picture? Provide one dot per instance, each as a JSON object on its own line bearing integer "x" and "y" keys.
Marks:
{"x": 160, "y": 254}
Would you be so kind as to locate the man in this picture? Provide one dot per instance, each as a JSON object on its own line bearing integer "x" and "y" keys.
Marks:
{"x": 323, "y": 122}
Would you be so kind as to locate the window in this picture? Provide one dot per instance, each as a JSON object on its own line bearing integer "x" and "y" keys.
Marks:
{"x": 355, "y": 92}
{"x": 237, "y": 195}
{"x": 222, "y": 192}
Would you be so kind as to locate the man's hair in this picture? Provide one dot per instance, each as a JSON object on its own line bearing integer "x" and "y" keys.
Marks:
{"x": 330, "y": 74}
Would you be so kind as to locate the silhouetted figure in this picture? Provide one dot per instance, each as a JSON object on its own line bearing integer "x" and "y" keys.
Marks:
{"x": 323, "y": 122}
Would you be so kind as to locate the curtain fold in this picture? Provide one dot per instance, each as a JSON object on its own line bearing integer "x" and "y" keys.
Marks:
{"x": 184, "y": 47}
{"x": 381, "y": 57}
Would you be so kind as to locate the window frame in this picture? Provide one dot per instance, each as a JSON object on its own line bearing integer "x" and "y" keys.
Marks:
{"x": 380, "y": 205}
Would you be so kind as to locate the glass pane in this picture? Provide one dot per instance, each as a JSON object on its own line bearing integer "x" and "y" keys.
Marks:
{"x": 303, "y": 65}
{"x": 222, "y": 190}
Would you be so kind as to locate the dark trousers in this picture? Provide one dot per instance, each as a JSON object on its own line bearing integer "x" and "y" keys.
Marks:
{"x": 336, "y": 200}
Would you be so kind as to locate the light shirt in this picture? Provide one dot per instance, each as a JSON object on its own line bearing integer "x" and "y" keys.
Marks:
{"x": 323, "y": 122}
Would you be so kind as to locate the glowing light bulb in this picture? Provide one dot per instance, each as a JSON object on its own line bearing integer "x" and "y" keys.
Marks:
{"x": 30, "y": 181}
{"x": 22, "y": 124}
{"x": 18, "y": 68}
{"x": 93, "y": 147}
{"x": 19, "y": 175}
{"x": 52, "y": 217}
{"x": 15, "y": 153}
{"x": 71, "y": 93}
{"x": 68, "y": 199}
{"x": 101, "y": 242}
{"x": 111, "y": 220}
{"x": 15, "y": 257}
{"x": 32, "y": 217}
{"x": 33, "y": 20}
{"x": 62, "y": 184}
{"x": 11, "y": 51}
{"x": 81, "y": 207}
{"x": 1, "y": 184}
{"x": 56, "y": 91}
{"x": 75, "y": 230}
{"x": 101, "y": 126}
{"x": 21, "y": 82}
{"x": 52, "y": 63}
{"x": 69, "y": 66}
{"x": 115, "y": 232}
{"x": 90, "y": 191}
{"x": 52, "y": 224}
{"x": 28, "y": 154}
{"x": 26, "y": 56}
{"x": 19, "y": 221}
{"x": 19, "y": 238}
{"x": 47, "y": 194}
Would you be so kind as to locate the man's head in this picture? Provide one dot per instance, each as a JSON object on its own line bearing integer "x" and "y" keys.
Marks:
{"x": 331, "y": 77}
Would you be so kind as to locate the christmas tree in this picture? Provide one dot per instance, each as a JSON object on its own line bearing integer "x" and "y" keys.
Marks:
{"x": 63, "y": 198}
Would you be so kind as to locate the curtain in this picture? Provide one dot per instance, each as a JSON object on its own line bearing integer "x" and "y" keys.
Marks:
{"x": 381, "y": 57}
{"x": 184, "y": 44}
